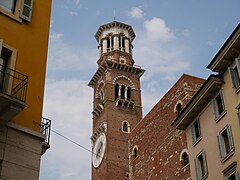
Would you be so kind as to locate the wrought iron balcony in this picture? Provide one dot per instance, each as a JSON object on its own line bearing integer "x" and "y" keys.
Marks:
{"x": 46, "y": 129}
{"x": 13, "y": 90}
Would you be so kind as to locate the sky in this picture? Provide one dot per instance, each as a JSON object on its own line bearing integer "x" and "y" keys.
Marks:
{"x": 172, "y": 37}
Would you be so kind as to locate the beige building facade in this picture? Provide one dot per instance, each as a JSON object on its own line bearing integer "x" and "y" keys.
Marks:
{"x": 211, "y": 119}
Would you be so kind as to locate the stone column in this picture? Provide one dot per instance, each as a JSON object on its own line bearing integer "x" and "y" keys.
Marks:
{"x": 104, "y": 45}
{"x": 126, "y": 45}
{"x": 116, "y": 43}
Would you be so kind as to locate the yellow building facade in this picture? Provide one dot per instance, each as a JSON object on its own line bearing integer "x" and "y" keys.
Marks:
{"x": 24, "y": 32}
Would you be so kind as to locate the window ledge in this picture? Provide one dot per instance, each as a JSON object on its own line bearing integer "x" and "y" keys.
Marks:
{"x": 186, "y": 166}
{"x": 227, "y": 156}
{"x": 204, "y": 176}
{"x": 237, "y": 90}
{"x": 197, "y": 141}
{"x": 221, "y": 116}
{"x": 10, "y": 15}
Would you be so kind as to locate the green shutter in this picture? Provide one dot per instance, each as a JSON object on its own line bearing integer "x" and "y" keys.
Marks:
{"x": 230, "y": 137}
{"x": 197, "y": 168}
{"x": 238, "y": 114}
{"x": 204, "y": 163}
{"x": 220, "y": 146}
{"x": 222, "y": 100}
{"x": 215, "y": 109}
{"x": 193, "y": 133}
{"x": 233, "y": 77}
{"x": 26, "y": 10}
{"x": 1, "y": 44}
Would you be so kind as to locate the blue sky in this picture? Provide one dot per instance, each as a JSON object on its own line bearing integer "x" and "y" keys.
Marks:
{"x": 172, "y": 37}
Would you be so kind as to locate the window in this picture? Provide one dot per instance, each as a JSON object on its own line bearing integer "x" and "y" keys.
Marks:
{"x": 135, "y": 152}
{"x": 17, "y": 9}
{"x": 230, "y": 173}
{"x": 218, "y": 105}
{"x": 128, "y": 93}
{"x": 196, "y": 132}
{"x": 201, "y": 166}
{"x": 122, "y": 92}
{"x": 125, "y": 127}
{"x": 185, "y": 158}
{"x": 234, "y": 71}
{"x": 8, "y": 5}
{"x": 101, "y": 97}
{"x": 225, "y": 142}
{"x": 116, "y": 91}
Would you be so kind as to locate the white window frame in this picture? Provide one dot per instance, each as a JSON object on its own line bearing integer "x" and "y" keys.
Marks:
{"x": 235, "y": 80}
{"x": 201, "y": 173}
{"x": 218, "y": 114}
{"x": 221, "y": 144}
{"x": 196, "y": 139}
{"x": 18, "y": 12}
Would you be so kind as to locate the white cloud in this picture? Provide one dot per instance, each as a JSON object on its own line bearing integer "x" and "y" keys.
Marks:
{"x": 69, "y": 58}
{"x": 157, "y": 30}
{"x": 159, "y": 51}
{"x": 215, "y": 43}
{"x": 68, "y": 104}
{"x": 136, "y": 13}
{"x": 72, "y": 6}
{"x": 186, "y": 32}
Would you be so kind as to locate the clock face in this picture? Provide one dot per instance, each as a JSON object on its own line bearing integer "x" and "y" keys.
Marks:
{"x": 99, "y": 150}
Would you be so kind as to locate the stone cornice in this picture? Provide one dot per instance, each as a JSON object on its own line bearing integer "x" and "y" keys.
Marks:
{"x": 114, "y": 65}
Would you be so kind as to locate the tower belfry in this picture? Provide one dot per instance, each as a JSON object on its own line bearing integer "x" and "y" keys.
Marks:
{"x": 117, "y": 104}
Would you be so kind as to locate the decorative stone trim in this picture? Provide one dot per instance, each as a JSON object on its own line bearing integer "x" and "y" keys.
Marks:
{"x": 101, "y": 128}
{"x": 124, "y": 77}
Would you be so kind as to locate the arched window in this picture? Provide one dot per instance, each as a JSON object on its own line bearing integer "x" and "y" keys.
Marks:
{"x": 108, "y": 44}
{"x": 125, "y": 127}
{"x": 129, "y": 93}
{"x": 116, "y": 91}
{"x": 123, "y": 44}
{"x": 112, "y": 43}
{"x": 101, "y": 97}
{"x": 122, "y": 92}
{"x": 135, "y": 152}
{"x": 178, "y": 107}
{"x": 184, "y": 158}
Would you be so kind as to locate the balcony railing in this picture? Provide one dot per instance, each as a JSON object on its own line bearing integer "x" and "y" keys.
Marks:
{"x": 46, "y": 129}
{"x": 13, "y": 83}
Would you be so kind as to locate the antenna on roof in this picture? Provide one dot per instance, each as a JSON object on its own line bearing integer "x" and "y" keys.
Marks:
{"x": 114, "y": 13}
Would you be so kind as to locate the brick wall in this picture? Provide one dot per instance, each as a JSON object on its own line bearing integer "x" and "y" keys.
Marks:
{"x": 160, "y": 145}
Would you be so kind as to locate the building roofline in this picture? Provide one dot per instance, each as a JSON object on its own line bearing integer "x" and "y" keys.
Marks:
{"x": 198, "y": 102}
{"x": 216, "y": 59}
{"x": 172, "y": 88}
{"x": 115, "y": 24}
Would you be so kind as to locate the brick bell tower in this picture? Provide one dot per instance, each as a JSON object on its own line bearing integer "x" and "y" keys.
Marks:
{"x": 117, "y": 104}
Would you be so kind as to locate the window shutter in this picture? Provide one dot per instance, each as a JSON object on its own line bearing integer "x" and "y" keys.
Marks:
{"x": 204, "y": 162}
{"x": 238, "y": 114}
{"x": 215, "y": 108}
{"x": 26, "y": 10}
{"x": 233, "y": 77}
{"x": 193, "y": 133}
{"x": 230, "y": 136}
{"x": 197, "y": 168}
{"x": 1, "y": 44}
{"x": 238, "y": 63}
{"x": 222, "y": 100}
{"x": 220, "y": 146}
